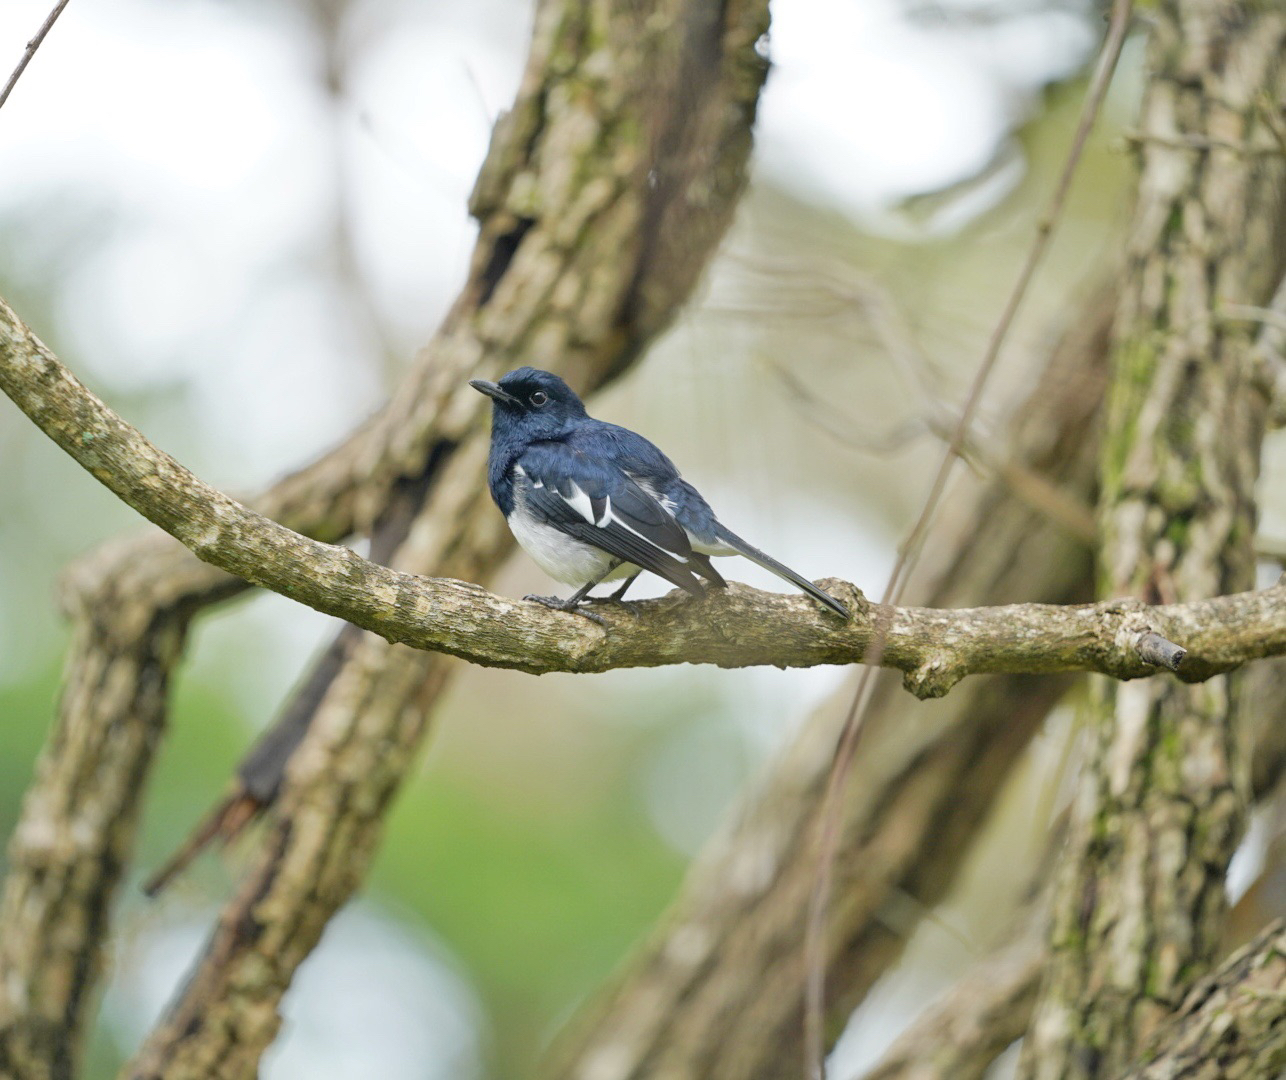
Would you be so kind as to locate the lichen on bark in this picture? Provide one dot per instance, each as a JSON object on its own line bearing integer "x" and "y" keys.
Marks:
{"x": 1162, "y": 797}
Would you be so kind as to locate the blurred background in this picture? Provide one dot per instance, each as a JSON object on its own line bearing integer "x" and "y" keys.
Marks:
{"x": 237, "y": 221}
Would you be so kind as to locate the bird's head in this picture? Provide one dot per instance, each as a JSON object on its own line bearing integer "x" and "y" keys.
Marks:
{"x": 535, "y": 401}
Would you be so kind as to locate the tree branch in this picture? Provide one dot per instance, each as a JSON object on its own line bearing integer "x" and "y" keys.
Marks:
{"x": 30, "y": 50}
{"x": 737, "y": 628}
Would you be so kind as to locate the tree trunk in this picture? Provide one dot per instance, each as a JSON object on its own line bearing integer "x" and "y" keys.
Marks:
{"x": 1162, "y": 802}
{"x": 601, "y": 201}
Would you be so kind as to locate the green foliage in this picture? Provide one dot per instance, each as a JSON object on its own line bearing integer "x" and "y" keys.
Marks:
{"x": 539, "y": 902}
{"x": 26, "y": 707}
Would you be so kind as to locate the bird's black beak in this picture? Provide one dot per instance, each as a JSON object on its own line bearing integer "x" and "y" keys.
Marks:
{"x": 493, "y": 390}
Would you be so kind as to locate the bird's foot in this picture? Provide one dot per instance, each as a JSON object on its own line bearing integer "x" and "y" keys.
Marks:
{"x": 559, "y": 604}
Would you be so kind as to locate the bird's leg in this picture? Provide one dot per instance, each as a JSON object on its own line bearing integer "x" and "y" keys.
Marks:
{"x": 619, "y": 595}
{"x": 616, "y": 597}
{"x": 572, "y": 602}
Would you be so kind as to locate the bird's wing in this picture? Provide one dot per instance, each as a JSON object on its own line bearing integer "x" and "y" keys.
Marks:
{"x": 597, "y": 503}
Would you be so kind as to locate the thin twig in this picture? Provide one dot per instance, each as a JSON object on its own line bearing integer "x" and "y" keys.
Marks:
{"x": 1271, "y": 548}
{"x": 1200, "y": 143}
{"x": 819, "y": 900}
{"x": 30, "y": 50}
{"x": 1070, "y": 514}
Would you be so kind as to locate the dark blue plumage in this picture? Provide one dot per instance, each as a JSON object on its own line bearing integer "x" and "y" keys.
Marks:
{"x": 593, "y": 502}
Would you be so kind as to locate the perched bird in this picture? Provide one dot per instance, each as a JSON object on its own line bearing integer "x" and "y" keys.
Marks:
{"x": 594, "y": 502}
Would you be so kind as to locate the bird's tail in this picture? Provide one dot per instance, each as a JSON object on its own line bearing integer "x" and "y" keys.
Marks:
{"x": 784, "y": 572}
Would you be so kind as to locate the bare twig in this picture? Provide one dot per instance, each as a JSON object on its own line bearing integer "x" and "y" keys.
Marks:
{"x": 1200, "y": 143}
{"x": 30, "y": 50}
{"x": 1069, "y": 513}
{"x": 1270, "y": 345}
{"x": 814, "y": 1011}
{"x": 1269, "y": 316}
{"x": 1075, "y": 516}
{"x": 1272, "y": 548}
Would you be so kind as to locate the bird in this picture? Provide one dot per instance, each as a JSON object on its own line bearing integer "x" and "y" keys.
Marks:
{"x": 593, "y": 502}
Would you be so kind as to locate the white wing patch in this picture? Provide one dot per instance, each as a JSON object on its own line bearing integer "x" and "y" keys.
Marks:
{"x": 581, "y": 503}
{"x": 584, "y": 505}
{"x": 562, "y": 556}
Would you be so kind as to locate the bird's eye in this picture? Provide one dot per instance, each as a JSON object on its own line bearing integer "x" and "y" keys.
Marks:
{"x": 538, "y": 398}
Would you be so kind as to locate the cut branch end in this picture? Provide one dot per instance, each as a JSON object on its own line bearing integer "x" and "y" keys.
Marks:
{"x": 1160, "y": 652}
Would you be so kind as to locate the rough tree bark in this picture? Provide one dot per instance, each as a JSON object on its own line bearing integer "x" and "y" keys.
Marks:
{"x": 605, "y": 191}
{"x": 991, "y": 1005}
{"x": 1231, "y": 1023}
{"x": 1141, "y": 898}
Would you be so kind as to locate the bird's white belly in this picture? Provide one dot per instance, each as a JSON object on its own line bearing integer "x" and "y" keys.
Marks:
{"x": 561, "y": 557}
